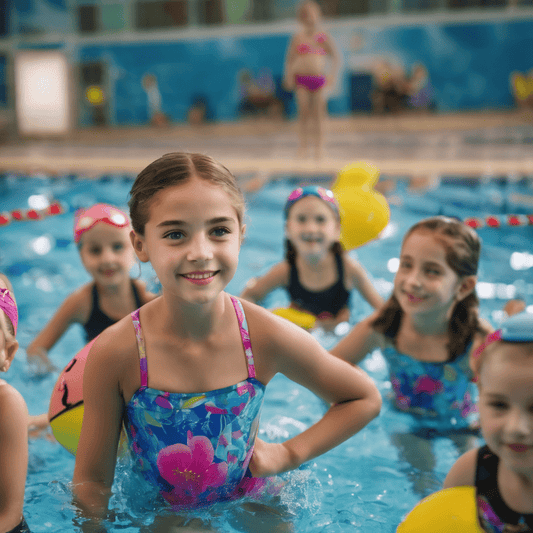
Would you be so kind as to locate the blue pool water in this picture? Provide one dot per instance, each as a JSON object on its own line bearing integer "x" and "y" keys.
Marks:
{"x": 365, "y": 485}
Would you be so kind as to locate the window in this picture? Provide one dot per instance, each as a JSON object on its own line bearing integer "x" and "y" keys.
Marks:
{"x": 161, "y": 14}
{"x": 210, "y": 12}
{"x": 88, "y": 19}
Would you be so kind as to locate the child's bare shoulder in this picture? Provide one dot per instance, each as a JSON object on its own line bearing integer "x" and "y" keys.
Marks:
{"x": 463, "y": 472}
{"x": 12, "y": 404}
{"x": 79, "y": 303}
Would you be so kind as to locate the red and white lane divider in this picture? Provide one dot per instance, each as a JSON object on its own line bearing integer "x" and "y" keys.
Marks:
{"x": 499, "y": 221}
{"x": 19, "y": 215}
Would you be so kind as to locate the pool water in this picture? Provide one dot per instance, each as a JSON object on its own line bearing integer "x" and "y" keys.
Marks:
{"x": 368, "y": 483}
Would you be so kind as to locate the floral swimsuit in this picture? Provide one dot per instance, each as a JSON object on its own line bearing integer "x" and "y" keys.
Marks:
{"x": 439, "y": 394}
{"x": 195, "y": 447}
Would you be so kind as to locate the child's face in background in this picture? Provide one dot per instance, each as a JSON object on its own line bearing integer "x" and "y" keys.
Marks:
{"x": 312, "y": 227}
{"x": 107, "y": 254}
{"x": 192, "y": 239}
{"x": 424, "y": 280}
{"x": 506, "y": 405}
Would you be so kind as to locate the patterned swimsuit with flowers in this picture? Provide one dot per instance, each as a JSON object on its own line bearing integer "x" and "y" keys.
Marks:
{"x": 441, "y": 395}
{"x": 195, "y": 447}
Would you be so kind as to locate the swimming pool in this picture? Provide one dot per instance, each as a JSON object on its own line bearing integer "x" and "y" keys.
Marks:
{"x": 364, "y": 485}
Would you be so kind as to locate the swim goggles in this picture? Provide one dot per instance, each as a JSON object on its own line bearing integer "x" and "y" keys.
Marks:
{"x": 517, "y": 328}
{"x": 9, "y": 307}
{"x": 311, "y": 190}
{"x": 85, "y": 219}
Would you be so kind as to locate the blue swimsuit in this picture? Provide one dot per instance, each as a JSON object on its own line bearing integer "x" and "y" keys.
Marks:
{"x": 195, "y": 447}
{"x": 440, "y": 394}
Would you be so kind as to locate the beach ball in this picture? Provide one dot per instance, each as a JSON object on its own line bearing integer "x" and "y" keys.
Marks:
{"x": 65, "y": 412}
{"x": 446, "y": 511}
{"x": 364, "y": 211}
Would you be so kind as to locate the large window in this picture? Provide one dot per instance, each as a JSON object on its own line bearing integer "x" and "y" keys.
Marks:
{"x": 161, "y": 14}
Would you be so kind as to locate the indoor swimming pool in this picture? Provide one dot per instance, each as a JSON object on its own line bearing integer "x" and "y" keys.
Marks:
{"x": 368, "y": 483}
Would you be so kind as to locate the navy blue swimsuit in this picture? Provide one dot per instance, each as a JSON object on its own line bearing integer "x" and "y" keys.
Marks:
{"x": 331, "y": 300}
{"x": 98, "y": 321}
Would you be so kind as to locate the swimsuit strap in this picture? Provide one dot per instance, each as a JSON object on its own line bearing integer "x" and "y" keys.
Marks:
{"x": 245, "y": 336}
{"x": 141, "y": 348}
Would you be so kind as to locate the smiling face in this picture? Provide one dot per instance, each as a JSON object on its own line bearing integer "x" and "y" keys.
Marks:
{"x": 106, "y": 253}
{"x": 312, "y": 227}
{"x": 424, "y": 281}
{"x": 506, "y": 404}
{"x": 192, "y": 239}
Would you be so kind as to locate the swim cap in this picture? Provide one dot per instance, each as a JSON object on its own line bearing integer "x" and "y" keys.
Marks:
{"x": 9, "y": 307}
{"x": 311, "y": 190}
{"x": 518, "y": 328}
{"x": 85, "y": 219}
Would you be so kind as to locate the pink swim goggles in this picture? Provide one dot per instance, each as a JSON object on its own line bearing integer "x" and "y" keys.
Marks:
{"x": 85, "y": 219}
{"x": 9, "y": 307}
{"x": 311, "y": 190}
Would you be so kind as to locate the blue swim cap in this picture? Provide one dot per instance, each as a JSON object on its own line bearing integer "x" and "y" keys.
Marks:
{"x": 518, "y": 328}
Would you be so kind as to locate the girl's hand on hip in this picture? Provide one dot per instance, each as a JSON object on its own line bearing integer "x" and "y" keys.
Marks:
{"x": 270, "y": 459}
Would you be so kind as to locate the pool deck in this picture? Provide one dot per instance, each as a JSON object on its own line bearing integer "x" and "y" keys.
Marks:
{"x": 413, "y": 145}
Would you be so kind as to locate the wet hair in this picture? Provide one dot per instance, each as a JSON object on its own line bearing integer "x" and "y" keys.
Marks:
{"x": 462, "y": 247}
{"x": 175, "y": 169}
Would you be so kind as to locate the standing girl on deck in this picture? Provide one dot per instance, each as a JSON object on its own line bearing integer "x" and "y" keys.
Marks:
{"x": 190, "y": 367}
{"x": 305, "y": 73}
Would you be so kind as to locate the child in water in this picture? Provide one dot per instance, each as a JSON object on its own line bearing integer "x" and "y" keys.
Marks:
{"x": 427, "y": 331}
{"x": 102, "y": 236}
{"x": 305, "y": 73}
{"x": 316, "y": 272}
{"x": 190, "y": 367}
{"x": 13, "y": 423}
{"x": 502, "y": 469}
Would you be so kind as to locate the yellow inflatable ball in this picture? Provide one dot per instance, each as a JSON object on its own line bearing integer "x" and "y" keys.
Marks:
{"x": 300, "y": 318}
{"x": 451, "y": 510}
{"x": 364, "y": 211}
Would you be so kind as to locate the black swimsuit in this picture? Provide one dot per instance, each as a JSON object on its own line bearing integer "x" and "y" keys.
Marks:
{"x": 21, "y": 528}
{"x": 98, "y": 321}
{"x": 331, "y": 300}
{"x": 494, "y": 515}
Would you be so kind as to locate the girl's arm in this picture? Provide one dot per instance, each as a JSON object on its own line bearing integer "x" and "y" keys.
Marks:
{"x": 13, "y": 456}
{"x": 361, "y": 281}
{"x": 359, "y": 342}
{"x": 257, "y": 288}
{"x": 463, "y": 472}
{"x": 288, "y": 74}
{"x": 75, "y": 308}
{"x": 333, "y": 53}
{"x": 280, "y": 346}
{"x": 103, "y": 407}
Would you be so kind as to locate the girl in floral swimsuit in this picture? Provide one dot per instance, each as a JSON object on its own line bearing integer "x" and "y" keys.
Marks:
{"x": 426, "y": 331}
{"x": 190, "y": 367}
{"x": 305, "y": 74}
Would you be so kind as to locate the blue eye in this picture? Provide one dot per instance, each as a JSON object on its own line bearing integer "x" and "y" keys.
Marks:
{"x": 221, "y": 232}
{"x": 174, "y": 235}
{"x": 118, "y": 246}
{"x": 95, "y": 251}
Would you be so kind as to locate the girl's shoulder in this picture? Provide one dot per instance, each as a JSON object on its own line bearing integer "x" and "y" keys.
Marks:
{"x": 78, "y": 304}
{"x": 463, "y": 472}
{"x": 12, "y": 404}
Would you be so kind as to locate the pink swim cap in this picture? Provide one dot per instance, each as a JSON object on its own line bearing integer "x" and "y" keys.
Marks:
{"x": 85, "y": 219}
{"x": 9, "y": 307}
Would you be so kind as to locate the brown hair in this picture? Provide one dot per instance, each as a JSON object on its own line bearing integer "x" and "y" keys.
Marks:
{"x": 462, "y": 246}
{"x": 174, "y": 169}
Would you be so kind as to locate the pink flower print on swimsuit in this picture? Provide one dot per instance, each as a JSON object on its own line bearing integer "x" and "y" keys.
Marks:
{"x": 196, "y": 447}
{"x": 440, "y": 395}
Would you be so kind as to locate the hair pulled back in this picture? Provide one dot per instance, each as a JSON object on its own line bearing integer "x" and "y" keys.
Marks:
{"x": 462, "y": 248}
{"x": 174, "y": 169}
